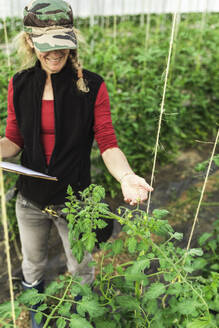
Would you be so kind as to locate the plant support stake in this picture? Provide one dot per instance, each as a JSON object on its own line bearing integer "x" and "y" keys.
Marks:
{"x": 7, "y": 245}
{"x": 202, "y": 192}
{"x": 7, "y": 43}
{"x": 162, "y": 105}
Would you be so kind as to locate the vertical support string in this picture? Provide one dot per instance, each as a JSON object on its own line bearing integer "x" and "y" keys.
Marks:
{"x": 147, "y": 31}
{"x": 142, "y": 13}
{"x": 3, "y": 207}
{"x": 7, "y": 244}
{"x": 102, "y": 21}
{"x": 114, "y": 23}
{"x": 200, "y": 40}
{"x": 202, "y": 192}
{"x": 92, "y": 22}
{"x": 162, "y": 110}
{"x": 6, "y": 42}
{"x": 175, "y": 41}
{"x": 123, "y": 18}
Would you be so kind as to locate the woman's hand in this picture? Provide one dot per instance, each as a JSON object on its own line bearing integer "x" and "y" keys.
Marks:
{"x": 135, "y": 189}
{"x": 8, "y": 148}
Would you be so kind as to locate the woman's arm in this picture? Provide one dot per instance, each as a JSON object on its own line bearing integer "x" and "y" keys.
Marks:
{"x": 8, "y": 148}
{"x": 12, "y": 143}
{"x": 134, "y": 188}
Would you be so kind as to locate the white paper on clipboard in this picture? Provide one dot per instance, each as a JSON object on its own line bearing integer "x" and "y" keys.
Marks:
{"x": 19, "y": 169}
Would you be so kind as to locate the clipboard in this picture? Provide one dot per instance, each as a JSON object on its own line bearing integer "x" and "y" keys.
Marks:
{"x": 19, "y": 169}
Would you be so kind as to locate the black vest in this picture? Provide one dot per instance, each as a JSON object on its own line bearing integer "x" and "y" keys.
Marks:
{"x": 74, "y": 119}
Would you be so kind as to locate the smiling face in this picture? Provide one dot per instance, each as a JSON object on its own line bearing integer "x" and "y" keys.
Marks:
{"x": 53, "y": 61}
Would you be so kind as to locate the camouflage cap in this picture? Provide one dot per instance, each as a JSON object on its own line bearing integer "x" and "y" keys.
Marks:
{"x": 50, "y": 25}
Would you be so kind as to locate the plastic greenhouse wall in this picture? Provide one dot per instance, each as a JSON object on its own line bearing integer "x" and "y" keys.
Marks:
{"x": 86, "y": 8}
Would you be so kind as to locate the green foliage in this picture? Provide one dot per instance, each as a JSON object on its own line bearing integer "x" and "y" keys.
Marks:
{"x": 77, "y": 321}
{"x": 13, "y": 26}
{"x": 162, "y": 286}
{"x": 210, "y": 245}
{"x": 202, "y": 166}
{"x": 83, "y": 217}
{"x": 135, "y": 79}
{"x": 6, "y": 310}
{"x": 157, "y": 287}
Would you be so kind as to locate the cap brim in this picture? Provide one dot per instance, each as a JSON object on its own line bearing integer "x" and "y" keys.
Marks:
{"x": 54, "y": 40}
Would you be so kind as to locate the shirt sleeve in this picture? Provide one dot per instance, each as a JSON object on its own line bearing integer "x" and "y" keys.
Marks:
{"x": 103, "y": 129}
{"x": 12, "y": 131}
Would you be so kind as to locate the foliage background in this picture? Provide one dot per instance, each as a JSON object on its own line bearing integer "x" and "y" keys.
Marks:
{"x": 134, "y": 75}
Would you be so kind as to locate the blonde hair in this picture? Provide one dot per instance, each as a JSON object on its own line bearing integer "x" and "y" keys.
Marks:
{"x": 26, "y": 54}
{"x": 28, "y": 58}
{"x": 81, "y": 83}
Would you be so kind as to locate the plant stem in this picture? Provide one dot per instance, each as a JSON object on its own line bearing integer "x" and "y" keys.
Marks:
{"x": 181, "y": 276}
{"x": 60, "y": 302}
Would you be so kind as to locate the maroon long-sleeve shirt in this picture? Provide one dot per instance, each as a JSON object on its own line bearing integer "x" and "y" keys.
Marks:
{"x": 104, "y": 132}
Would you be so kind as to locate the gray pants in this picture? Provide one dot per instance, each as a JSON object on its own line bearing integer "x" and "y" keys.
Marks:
{"x": 34, "y": 227}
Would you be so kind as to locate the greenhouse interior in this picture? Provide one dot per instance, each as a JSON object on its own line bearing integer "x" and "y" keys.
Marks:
{"x": 130, "y": 90}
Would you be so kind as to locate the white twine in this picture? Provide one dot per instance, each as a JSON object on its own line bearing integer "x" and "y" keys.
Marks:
{"x": 7, "y": 244}
{"x": 162, "y": 110}
{"x": 4, "y": 212}
{"x": 7, "y": 43}
{"x": 202, "y": 192}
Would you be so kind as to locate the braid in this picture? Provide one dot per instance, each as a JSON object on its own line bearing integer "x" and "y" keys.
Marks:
{"x": 81, "y": 85}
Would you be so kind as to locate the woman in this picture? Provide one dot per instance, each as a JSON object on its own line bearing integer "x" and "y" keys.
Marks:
{"x": 55, "y": 109}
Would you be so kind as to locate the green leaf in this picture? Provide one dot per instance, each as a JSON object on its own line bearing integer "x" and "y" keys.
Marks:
{"x": 78, "y": 322}
{"x": 174, "y": 289}
{"x": 155, "y": 290}
{"x": 61, "y": 323}
{"x": 151, "y": 306}
{"x": 186, "y": 307}
{"x": 177, "y": 235}
{"x": 92, "y": 264}
{"x": 108, "y": 268}
{"x": 65, "y": 210}
{"x": 101, "y": 224}
{"x": 159, "y": 214}
{"x": 65, "y": 308}
{"x": 204, "y": 322}
{"x": 127, "y": 303}
{"x": 98, "y": 194}
{"x": 42, "y": 307}
{"x": 75, "y": 289}
{"x": 139, "y": 266}
{"x": 31, "y": 297}
{"x": 54, "y": 287}
{"x": 90, "y": 242}
{"x": 215, "y": 267}
{"x": 6, "y": 310}
{"x": 120, "y": 270}
{"x": 136, "y": 277}
{"x": 102, "y": 323}
{"x": 199, "y": 264}
{"x": 91, "y": 306}
{"x": 195, "y": 252}
{"x": 78, "y": 251}
{"x": 69, "y": 190}
{"x": 117, "y": 246}
{"x": 132, "y": 244}
{"x": 216, "y": 160}
{"x": 38, "y": 317}
{"x": 204, "y": 238}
